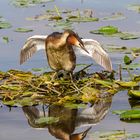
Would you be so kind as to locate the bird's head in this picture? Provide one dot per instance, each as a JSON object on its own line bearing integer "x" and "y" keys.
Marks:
{"x": 74, "y": 40}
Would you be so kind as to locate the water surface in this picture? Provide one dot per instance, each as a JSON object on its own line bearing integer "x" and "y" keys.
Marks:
{"x": 15, "y": 122}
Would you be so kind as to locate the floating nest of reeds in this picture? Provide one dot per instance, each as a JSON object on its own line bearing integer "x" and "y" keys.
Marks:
{"x": 19, "y": 88}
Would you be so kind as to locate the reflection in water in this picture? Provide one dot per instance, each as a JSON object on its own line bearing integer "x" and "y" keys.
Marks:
{"x": 69, "y": 119}
{"x": 134, "y": 103}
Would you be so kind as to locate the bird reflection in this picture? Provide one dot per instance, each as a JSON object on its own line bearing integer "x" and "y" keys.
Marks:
{"x": 69, "y": 119}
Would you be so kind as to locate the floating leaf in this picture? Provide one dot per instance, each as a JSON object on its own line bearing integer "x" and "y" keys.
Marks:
{"x": 134, "y": 103}
{"x": 55, "y": 18}
{"x": 47, "y": 120}
{"x": 62, "y": 25}
{"x": 115, "y": 16}
{"x": 114, "y": 135}
{"x": 5, "y": 39}
{"x": 112, "y": 31}
{"x": 127, "y": 60}
{"x": 118, "y": 112}
{"x": 128, "y": 36}
{"x": 127, "y": 84}
{"x": 134, "y": 7}
{"x": 82, "y": 19}
{"x": 116, "y": 48}
{"x": 134, "y": 94}
{"x": 130, "y": 115}
{"x": 27, "y": 3}
{"x": 105, "y": 83}
{"x": 106, "y": 30}
{"x": 23, "y": 30}
{"x": 5, "y": 25}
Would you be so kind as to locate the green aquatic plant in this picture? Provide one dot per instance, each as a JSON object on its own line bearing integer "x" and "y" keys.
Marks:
{"x": 82, "y": 19}
{"x": 112, "y": 31}
{"x": 27, "y": 3}
{"x": 18, "y": 88}
{"x": 134, "y": 7}
{"x": 114, "y": 135}
{"x": 106, "y": 30}
{"x": 114, "y": 16}
{"x": 23, "y": 30}
{"x": 128, "y": 115}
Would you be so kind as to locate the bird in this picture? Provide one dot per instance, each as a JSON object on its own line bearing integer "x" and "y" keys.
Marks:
{"x": 61, "y": 49}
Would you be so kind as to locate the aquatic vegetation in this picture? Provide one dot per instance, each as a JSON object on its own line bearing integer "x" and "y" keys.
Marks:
{"x": 64, "y": 19}
{"x": 106, "y": 30}
{"x": 4, "y": 24}
{"x": 134, "y": 7}
{"x": 61, "y": 25}
{"x": 128, "y": 115}
{"x": 23, "y": 30}
{"x": 134, "y": 94}
{"x": 114, "y": 16}
{"x": 114, "y": 135}
{"x": 27, "y": 3}
{"x": 18, "y": 88}
{"x": 112, "y": 31}
{"x": 127, "y": 60}
{"x": 6, "y": 39}
{"x": 82, "y": 19}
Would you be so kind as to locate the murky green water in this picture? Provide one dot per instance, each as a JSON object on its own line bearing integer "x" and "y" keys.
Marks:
{"x": 19, "y": 123}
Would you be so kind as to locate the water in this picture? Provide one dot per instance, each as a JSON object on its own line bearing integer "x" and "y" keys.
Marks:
{"x": 14, "y": 122}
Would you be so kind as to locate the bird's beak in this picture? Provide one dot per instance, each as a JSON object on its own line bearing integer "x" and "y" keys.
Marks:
{"x": 83, "y": 47}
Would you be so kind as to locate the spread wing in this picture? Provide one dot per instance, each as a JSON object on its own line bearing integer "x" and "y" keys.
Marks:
{"x": 97, "y": 53}
{"x": 31, "y": 46}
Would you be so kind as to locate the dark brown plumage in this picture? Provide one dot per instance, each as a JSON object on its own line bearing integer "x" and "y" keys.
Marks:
{"x": 59, "y": 50}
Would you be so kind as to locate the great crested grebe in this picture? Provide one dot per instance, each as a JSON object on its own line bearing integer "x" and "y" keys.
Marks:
{"x": 61, "y": 48}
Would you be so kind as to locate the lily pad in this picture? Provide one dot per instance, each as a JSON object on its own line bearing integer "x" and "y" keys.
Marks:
{"x": 5, "y": 25}
{"x": 134, "y": 7}
{"x": 134, "y": 94}
{"x": 82, "y": 19}
{"x": 128, "y": 36}
{"x": 127, "y": 60}
{"x": 127, "y": 84}
{"x": 114, "y": 135}
{"x": 112, "y": 31}
{"x": 130, "y": 115}
{"x": 106, "y": 30}
{"x": 27, "y": 3}
{"x": 115, "y": 16}
{"x": 62, "y": 25}
{"x": 23, "y": 30}
{"x": 6, "y": 39}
